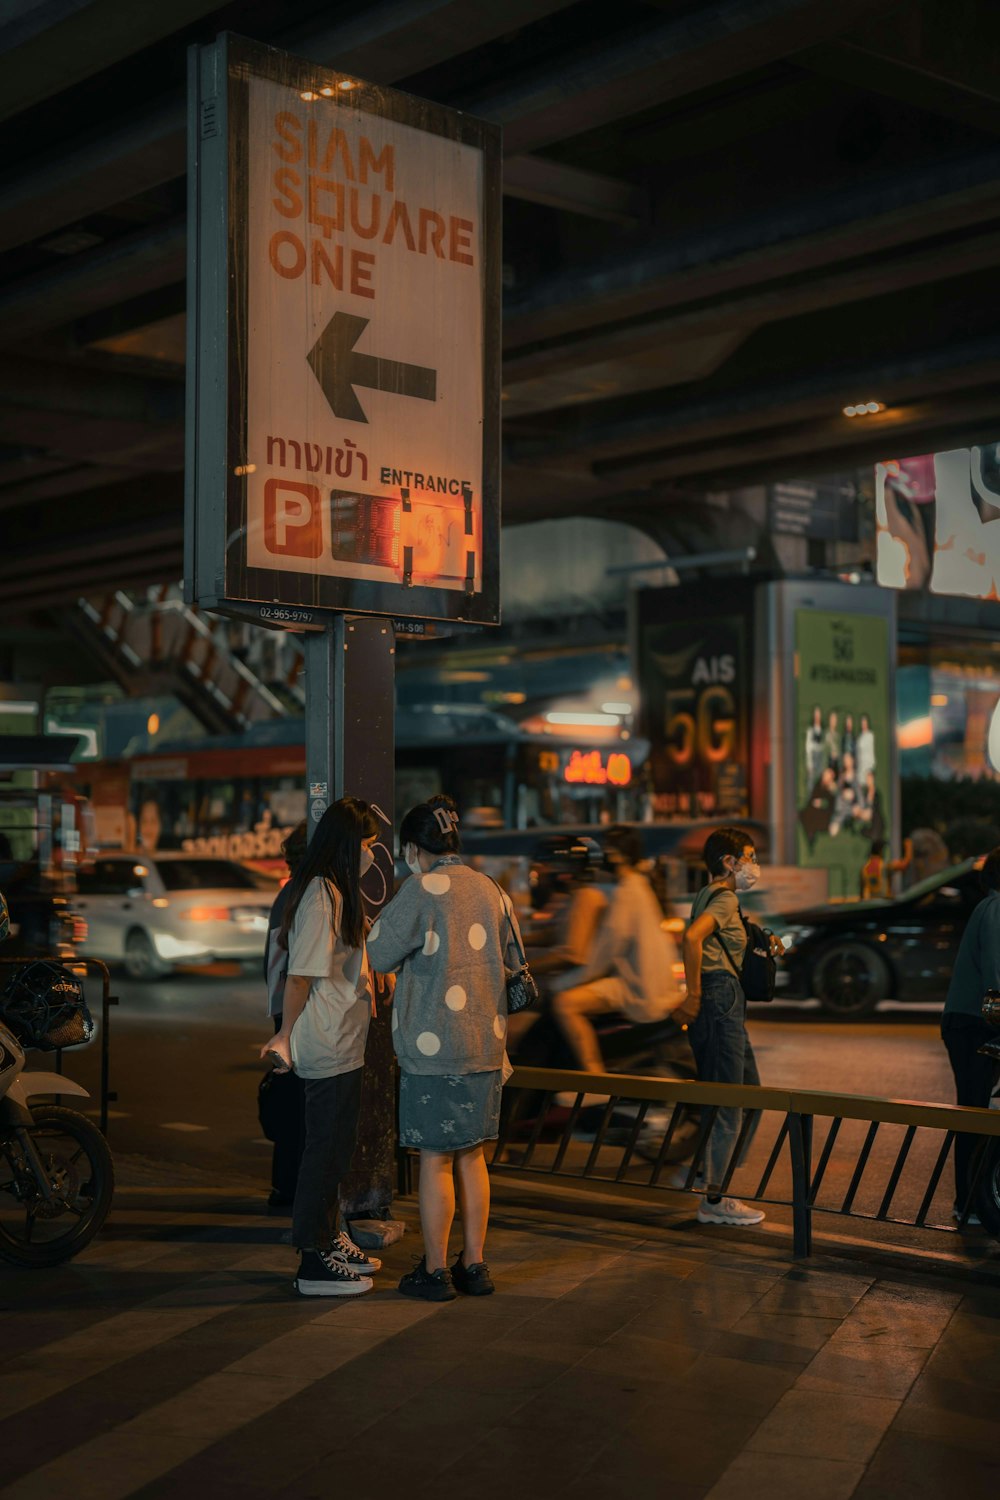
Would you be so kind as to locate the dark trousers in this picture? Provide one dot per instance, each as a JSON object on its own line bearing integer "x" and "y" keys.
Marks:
{"x": 290, "y": 1131}
{"x": 722, "y": 1050}
{"x": 974, "y": 1080}
{"x": 332, "y": 1108}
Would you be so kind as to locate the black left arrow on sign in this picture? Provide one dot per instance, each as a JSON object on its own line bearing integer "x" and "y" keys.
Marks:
{"x": 339, "y": 368}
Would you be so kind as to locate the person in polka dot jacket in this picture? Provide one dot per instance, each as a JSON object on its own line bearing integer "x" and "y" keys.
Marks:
{"x": 450, "y": 935}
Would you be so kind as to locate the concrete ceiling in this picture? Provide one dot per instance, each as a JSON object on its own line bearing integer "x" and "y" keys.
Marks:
{"x": 724, "y": 220}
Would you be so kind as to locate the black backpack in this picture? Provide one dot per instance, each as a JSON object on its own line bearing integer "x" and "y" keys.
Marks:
{"x": 757, "y": 976}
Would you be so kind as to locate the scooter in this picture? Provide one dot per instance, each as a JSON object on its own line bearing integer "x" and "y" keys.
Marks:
{"x": 659, "y": 1049}
{"x": 56, "y": 1172}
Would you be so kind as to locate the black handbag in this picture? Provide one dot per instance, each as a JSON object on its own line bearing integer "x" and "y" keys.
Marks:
{"x": 757, "y": 976}
{"x": 522, "y": 990}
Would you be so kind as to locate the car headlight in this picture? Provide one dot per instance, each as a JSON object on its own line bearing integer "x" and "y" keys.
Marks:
{"x": 793, "y": 936}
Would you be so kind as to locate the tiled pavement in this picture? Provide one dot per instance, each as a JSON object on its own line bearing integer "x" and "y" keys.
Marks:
{"x": 173, "y": 1359}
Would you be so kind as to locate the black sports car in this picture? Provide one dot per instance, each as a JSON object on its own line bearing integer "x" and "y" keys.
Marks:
{"x": 853, "y": 955}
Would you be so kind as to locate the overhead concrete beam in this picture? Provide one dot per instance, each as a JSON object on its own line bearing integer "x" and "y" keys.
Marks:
{"x": 384, "y": 42}
{"x": 130, "y": 266}
{"x": 665, "y": 60}
{"x": 633, "y": 442}
{"x": 536, "y": 179}
{"x": 58, "y": 43}
{"x": 938, "y": 56}
{"x": 873, "y": 216}
{"x": 566, "y": 373}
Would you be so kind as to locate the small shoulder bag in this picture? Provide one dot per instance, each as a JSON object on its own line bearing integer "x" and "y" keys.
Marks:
{"x": 522, "y": 990}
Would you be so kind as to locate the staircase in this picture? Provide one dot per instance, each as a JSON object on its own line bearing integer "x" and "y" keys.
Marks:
{"x": 223, "y": 672}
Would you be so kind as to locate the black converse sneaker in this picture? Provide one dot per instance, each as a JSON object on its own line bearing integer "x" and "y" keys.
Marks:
{"x": 354, "y": 1258}
{"x": 321, "y": 1274}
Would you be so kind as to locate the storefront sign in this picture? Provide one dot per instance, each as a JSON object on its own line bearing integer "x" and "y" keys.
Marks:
{"x": 843, "y": 727}
{"x": 358, "y": 444}
{"x": 591, "y": 768}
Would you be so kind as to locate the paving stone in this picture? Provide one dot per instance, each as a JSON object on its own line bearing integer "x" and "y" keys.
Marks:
{"x": 910, "y": 1467}
{"x": 781, "y": 1476}
{"x": 825, "y": 1424}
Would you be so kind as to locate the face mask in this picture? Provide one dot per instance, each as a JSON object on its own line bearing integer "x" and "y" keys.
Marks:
{"x": 367, "y": 860}
{"x": 411, "y": 860}
{"x": 747, "y": 877}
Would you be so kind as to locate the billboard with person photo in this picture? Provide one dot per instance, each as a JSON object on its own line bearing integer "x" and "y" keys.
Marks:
{"x": 843, "y": 772}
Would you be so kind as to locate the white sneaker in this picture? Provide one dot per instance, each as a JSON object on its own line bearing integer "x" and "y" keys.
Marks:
{"x": 729, "y": 1211}
{"x": 679, "y": 1178}
{"x": 352, "y": 1256}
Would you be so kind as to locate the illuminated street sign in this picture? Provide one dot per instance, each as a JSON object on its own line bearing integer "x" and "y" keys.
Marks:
{"x": 343, "y": 422}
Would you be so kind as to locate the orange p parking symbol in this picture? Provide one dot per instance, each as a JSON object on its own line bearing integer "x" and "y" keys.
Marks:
{"x": 293, "y": 522}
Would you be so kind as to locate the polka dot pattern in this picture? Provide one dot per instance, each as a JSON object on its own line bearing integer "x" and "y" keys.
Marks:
{"x": 428, "y": 1044}
{"x": 477, "y": 936}
{"x": 500, "y": 1027}
{"x": 436, "y": 884}
{"x": 456, "y": 998}
{"x": 432, "y": 943}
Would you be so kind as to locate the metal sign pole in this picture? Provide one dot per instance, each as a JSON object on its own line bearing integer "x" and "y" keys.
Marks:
{"x": 324, "y": 672}
{"x": 350, "y": 749}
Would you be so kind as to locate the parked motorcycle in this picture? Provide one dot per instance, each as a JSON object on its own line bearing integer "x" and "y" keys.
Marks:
{"x": 56, "y": 1172}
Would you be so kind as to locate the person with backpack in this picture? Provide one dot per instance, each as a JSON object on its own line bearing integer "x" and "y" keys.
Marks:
{"x": 715, "y": 947}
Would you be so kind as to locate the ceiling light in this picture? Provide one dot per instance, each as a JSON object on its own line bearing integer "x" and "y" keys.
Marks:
{"x": 616, "y": 708}
{"x": 327, "y": 92}
{"x": 347, "y": 83}
{"x": 308, "y": 96}
{"x": 864, "y": 408}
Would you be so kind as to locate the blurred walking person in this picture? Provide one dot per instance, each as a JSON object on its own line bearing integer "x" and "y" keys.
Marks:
{"x": 451, "y": 936}
{"x": 963, "y": 1030}
{"x": 326, "y": 1008}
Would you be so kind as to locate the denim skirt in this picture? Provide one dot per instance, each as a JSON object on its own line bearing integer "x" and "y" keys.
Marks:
{"x": 448, "y": 1111}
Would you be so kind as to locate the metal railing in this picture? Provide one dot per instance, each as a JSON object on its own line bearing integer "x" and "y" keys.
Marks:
{"x": 624, "y": 1156}
{"x": 95, "y": 966}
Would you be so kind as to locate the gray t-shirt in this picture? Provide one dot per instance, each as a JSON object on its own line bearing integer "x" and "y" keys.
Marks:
{"x": 725, "y": 908}
{"x": 329, "y": 1036}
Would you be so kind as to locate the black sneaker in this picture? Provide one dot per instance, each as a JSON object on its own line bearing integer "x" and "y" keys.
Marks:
{"x": 353, "y": 1257}
{"x": 474, "y": 1281}
{"x": 325, "y": 1276}
{"x": 432, "y": 1286}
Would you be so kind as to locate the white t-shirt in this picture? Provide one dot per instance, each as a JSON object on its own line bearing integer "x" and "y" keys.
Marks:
{"x": 329, "y": 1037}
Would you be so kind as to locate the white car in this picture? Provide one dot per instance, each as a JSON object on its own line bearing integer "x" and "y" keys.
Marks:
{"x": 153, "y": 912}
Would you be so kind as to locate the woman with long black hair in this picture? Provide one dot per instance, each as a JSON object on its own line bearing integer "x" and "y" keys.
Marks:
{"x": 326, "y": 1009}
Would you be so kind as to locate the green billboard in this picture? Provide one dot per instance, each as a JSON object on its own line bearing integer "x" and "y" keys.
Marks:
{"x": 842, "y": 737}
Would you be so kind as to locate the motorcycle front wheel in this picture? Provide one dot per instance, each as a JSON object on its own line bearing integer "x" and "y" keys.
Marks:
{"x": 35, "y": 1231}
